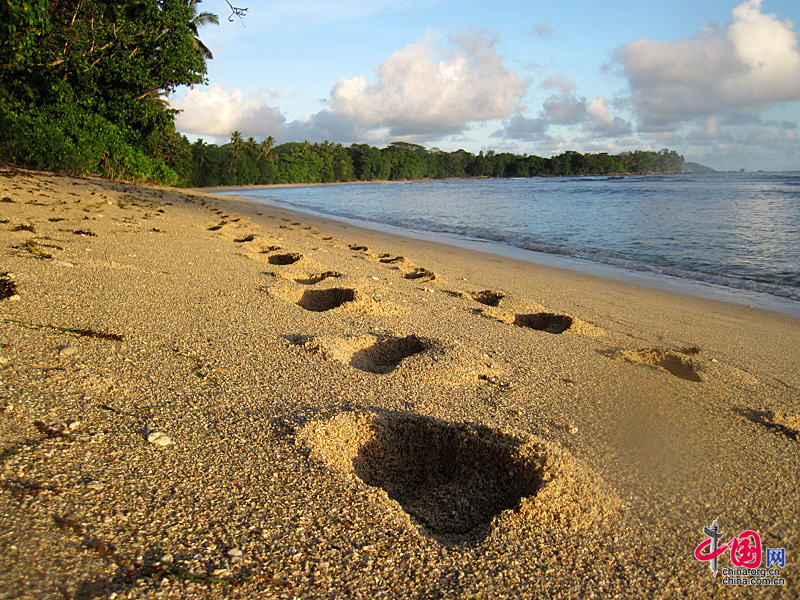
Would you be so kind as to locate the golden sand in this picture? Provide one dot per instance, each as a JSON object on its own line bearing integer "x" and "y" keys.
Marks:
{"x": 205, "y": 397}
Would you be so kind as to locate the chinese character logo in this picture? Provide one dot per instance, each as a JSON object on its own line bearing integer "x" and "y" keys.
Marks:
{"x": 712, "y": 543}
{"x": 776, "y": 556}
{"x": 745, "y": 549}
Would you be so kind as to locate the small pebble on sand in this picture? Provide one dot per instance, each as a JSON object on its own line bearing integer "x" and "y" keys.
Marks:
{"x": 159, "y": 438}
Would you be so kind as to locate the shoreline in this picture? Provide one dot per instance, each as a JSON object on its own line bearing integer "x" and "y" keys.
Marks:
{"x": 266, "y": 186}
{"x": 641, "y": 278}
{"x": 206, "y": 397}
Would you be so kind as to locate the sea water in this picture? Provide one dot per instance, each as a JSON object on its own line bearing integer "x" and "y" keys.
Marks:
{"x": 736, "y": 233}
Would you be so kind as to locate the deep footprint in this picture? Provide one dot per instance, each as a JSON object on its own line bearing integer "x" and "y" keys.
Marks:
{"x": 385, "y": 355}
{"x": 488, "y": 297}
{"x": 284, "y": 259}
{"x": 452, "y": 478}
{"x": 323, "y": 300}
{"x": 7, "y": 286}
{"x": 547, "y": 322}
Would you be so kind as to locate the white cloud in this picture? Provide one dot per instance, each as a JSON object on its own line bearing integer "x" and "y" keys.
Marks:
{"x": 752, "y": 66}
{"x": 543, "y": 31}
{"x": 602, "y": 123}
{"x": 784, "y": 136}
{"x": 425, "y": 90}
{"x": 711, "y": 133}
{"x": 565, "y": 109}
{"x": 325, "y": 125}
{"x": 217, "y": 110}
{"x": 712, "y": 129}
{"x": 523, "y": 129}
{"x": 744, "y": 118}
{"x": 558, "y": 83}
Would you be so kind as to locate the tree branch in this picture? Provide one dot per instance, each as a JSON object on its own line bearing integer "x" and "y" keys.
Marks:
{"x": 239, "y": 12}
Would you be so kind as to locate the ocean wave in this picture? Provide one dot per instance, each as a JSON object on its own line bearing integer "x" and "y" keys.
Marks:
{"x": 701, "y": 228}
{"x": 788, "y": 290}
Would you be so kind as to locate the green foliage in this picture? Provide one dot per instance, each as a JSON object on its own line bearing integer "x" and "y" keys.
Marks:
{"x": 22, "y": 26}
{"x": 368, "y": 163}
{"x": 82, "y": 81}
{"x": 408, "y": 161}
{"x": 665, "y": 161}
{"x": 243, "y": 162}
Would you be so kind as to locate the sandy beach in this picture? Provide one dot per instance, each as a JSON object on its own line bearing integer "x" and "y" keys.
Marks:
{"x": 206, "y": 397}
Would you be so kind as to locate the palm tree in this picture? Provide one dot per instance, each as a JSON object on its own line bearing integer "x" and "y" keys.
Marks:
{"x": 266, "y": 147}
{"x": 201, "y": 19}
{"x": 237, "y": 141}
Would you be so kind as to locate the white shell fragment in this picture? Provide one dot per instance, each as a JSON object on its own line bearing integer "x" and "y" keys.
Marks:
{"x": 159, "y": 438}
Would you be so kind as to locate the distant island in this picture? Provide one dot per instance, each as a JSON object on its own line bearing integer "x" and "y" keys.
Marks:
{"x": 693, "y": 167}
{"x": 248, "y": 162}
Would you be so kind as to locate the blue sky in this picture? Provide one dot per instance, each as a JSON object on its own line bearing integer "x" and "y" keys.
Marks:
{"x": 718, "y": 80}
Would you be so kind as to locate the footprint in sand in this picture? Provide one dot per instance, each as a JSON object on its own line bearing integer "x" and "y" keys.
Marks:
{"x": 385, "y": 355}
{"x": 547, "y": 322}
{"x": 380, "y": 354}
{"x": 316, "y": 277}
{"x": 417, "y": 274}
{"x": 457, "y": 482}
{"x": 676, "y": 363}
{"x": 405, "y": 267}
{"x": 325, "y": 300}
{"x": 488, "y": 297}
{"x": 284, "y": 259}
{"x": 544, "y": 321}
{"x": 777, "y": 422}
{"x": 388, "y": 259}
{"x": 8, "y": 288}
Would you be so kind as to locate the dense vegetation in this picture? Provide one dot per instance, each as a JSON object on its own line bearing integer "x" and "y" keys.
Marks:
{"x": 243, "y": 162}
{"x": 82, "y": 87}
{"x": 82, "y": 84}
